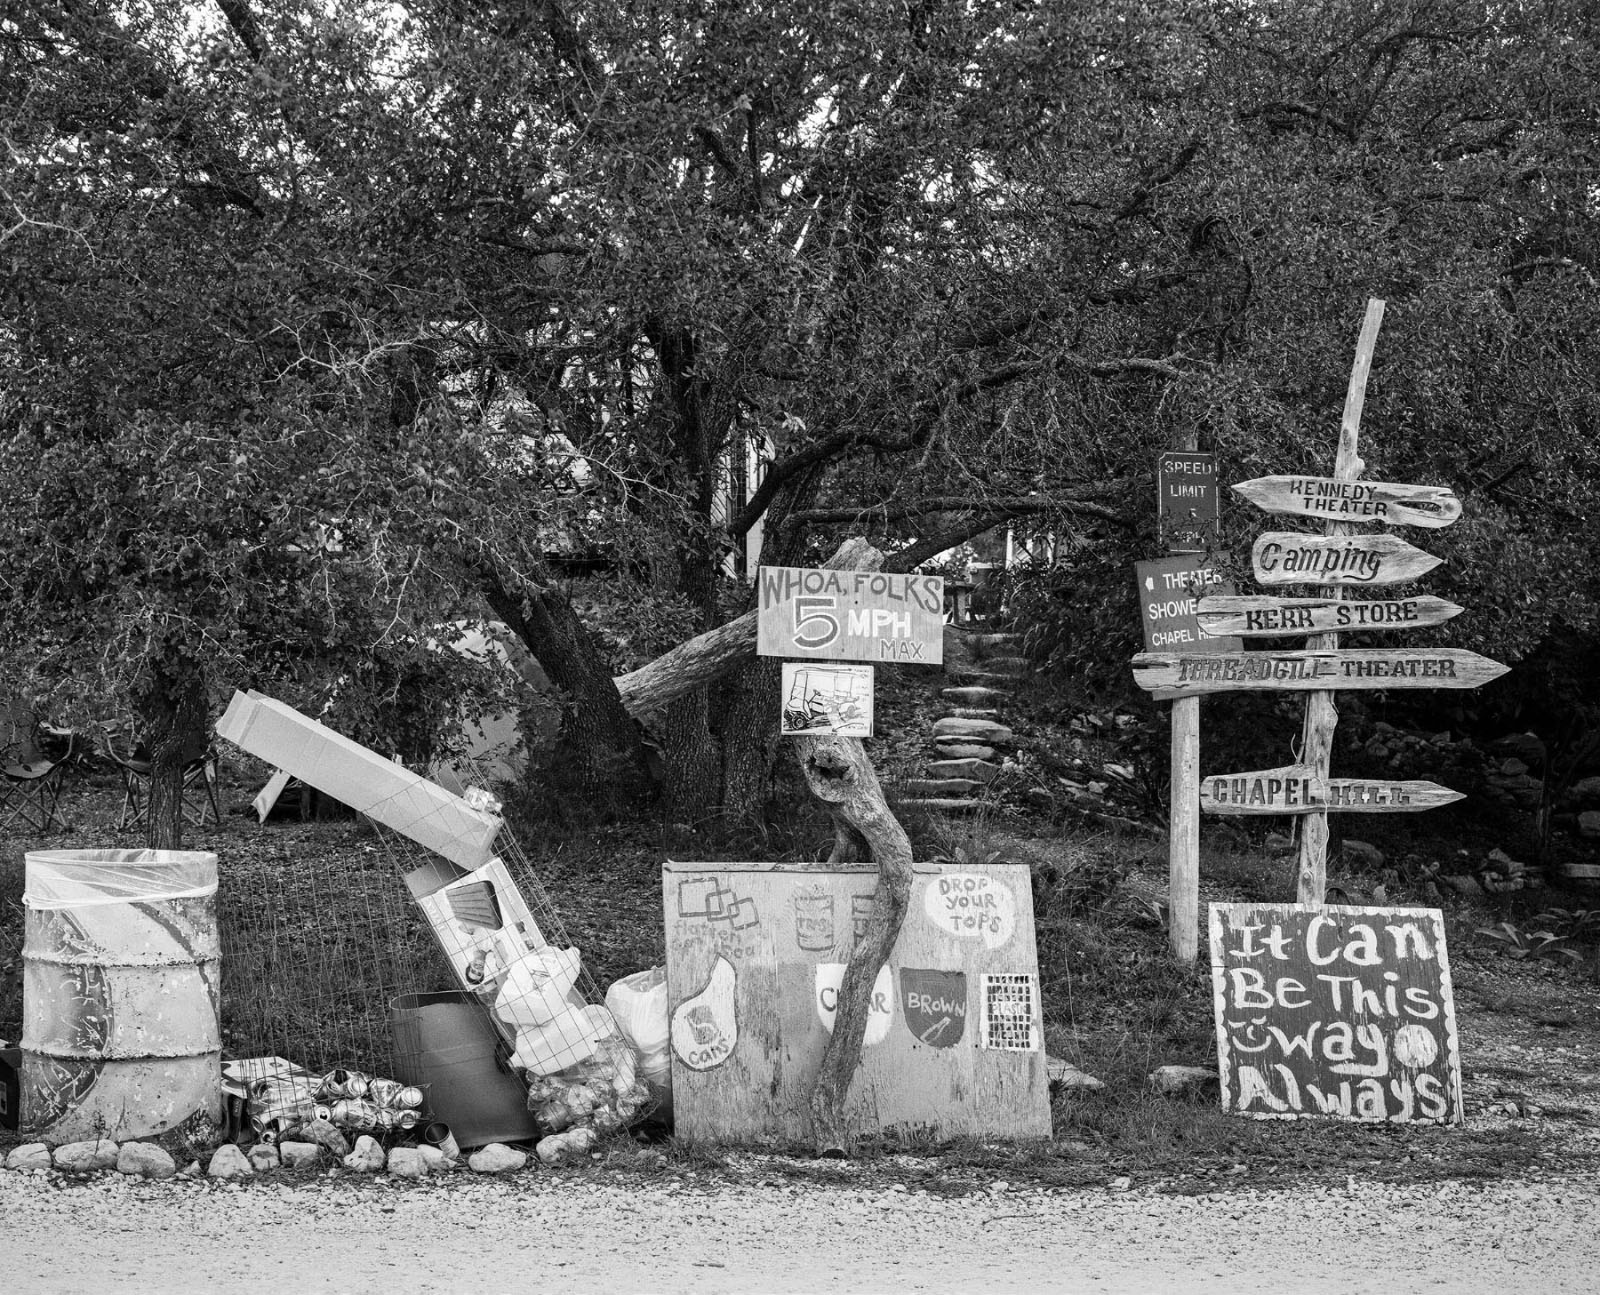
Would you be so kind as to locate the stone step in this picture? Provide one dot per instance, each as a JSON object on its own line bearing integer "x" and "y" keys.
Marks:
{"x": 964, "y": 751}
{"x": 974, "y": 712}
{"x": 1001, "y": 638}
{"x": 939, "y": 786}
{"x": 981, "y": 770}
{"x": 974, "y": 696}
{"x": 942, "y": 805}
{"x": 1012, "y": 665}
{"x": 972, "y": 730}
{"x": 981, "y": 676}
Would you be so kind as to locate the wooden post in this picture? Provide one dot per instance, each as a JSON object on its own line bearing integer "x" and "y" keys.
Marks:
{"x": 1321, "y": 714}
{"x": 1183, "y": 842}
{"x": 1183, "y": 862}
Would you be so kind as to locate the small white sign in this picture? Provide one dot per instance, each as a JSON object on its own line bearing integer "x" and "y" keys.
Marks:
{"x": 826, "y": 698}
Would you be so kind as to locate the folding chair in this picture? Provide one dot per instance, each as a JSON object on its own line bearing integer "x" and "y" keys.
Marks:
{"x": 30, "y": 790}
{"x": 198, "y": 797}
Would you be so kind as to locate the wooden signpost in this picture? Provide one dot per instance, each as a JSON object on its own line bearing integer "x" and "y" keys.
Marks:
{"x": 1353, "y": 501}
{"x": 1333, "y": 561}
{"x": 1344, "y": 1013}
{"x": 1296, "y": 788}
{"x": 1175, "y": 674}
{"x": 1259, "y": 616}
{"x": 1294, "y": 558}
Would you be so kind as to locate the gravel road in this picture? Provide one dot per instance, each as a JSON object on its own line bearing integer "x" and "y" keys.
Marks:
{"x": 554, "y": 1233}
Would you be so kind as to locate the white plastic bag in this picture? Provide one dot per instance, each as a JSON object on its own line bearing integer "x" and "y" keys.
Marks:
{"x": 639, "y": 1004}
{"x": 571, "y": 1036}
{"x": 537, "y": 989}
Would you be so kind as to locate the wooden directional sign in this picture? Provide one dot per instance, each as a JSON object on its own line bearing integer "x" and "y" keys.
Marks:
{"x": 1295, "y": 558}
{"x": 1353, "y": 501}
{"x": 1298, "y": 789}
{"x": 1169, "y": 590}
{"x": 1257, "y": 616}
{"x": 1180, "y": 674}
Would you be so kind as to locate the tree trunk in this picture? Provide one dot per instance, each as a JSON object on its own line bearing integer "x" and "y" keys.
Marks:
{"x": 172, "y": 714}
{"x": 602, "y": 756}
{"x": 841, "y": 776}
{"x": 691, "y": 779}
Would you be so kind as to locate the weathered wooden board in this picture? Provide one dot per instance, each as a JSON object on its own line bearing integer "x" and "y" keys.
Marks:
{"x": 1182, "y": 674}
{"x": 1264, "y": 616}
{"x": 1169, "y": 592}
{"x": 1339, "y": 1012}
{"x": 1295, "y": 558}
{"x": 1353, "y": 501}
{"x": 810, "y": 613}
{"x": 954, "y": 1044}
{"x": 1299, "y": 789}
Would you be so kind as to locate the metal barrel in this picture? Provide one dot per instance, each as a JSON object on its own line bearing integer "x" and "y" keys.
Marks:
{"x": 121, "y": 1036}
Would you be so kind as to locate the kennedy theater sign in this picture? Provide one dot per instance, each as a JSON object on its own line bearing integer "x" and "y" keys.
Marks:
{"x": 851, "y": 616}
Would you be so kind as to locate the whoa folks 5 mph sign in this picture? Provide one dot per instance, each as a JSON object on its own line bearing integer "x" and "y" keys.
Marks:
{"x": 851, "y": 616}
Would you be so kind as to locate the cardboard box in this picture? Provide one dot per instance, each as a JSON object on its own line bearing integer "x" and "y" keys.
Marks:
{"x": 384, "y": 791}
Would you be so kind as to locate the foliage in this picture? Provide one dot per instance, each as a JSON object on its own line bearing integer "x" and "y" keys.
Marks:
{"x": 1520, "y": 944}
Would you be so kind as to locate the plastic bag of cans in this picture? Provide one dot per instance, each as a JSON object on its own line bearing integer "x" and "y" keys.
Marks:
{"x": 351, "y": 1100}
{"x": 603, "y": 1092}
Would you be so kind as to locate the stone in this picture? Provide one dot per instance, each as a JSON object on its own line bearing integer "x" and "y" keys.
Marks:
{"x": 1063, "y": 1074}
{"x": 496, "y": 1158}
{"x": 565, "y": 1146}
{"x": 1466, "y": 887}
{"x": 1177, "y": 1081}
{"x": 326, "y": 1136}
{"x": 297, "y": 1155}
{"x": 264, "y": 1157}
{"x": 434, "y": 1159}
{"x": 974, "y": 712}
{"x": 408, "y": 1162}
{"x": 145, "y": 1160}
{"x": 227, "y": 1161}
{"x": 1278, "y": 843}
{"x": 940, "y": 804}
{"x": 974, "y": 696}
{"x": 939, "y": 786}
{"x": 1586, "y": 791}
{"x": 1521, "y": 746}
{"x": 30, "y": 1155}
{"x": 367, "y": 1157}
{"x": 1589, "y": 824}
{"x": 965, "y": 751}
{"x": 977, "y": 770}
{"x": 975, "y": 730}
{"x": 190, "y": 1170}
{"x": 1362, "y": 853}
{"x": 1514, "y": 767}
{"x": 86, "y": 1157}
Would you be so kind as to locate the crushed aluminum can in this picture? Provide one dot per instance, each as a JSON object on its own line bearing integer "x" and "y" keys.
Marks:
{"x": 384, "y": 1091}
{"x": 407, "y": 1119}
{"x": 409, "y": 1098}
{"x": 353, "y": 1113}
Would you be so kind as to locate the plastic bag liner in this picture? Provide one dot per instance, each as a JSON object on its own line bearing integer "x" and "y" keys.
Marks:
{"x": 82, "y": 878}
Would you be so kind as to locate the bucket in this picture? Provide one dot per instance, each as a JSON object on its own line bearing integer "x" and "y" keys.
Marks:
{"x": 121, "y": 1036}
{"x": 446, "y": 1045}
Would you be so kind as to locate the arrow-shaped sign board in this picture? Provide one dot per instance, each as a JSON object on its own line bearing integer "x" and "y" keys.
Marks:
{"x": 1353, "y": 501}
{"x": 1295, "y": 558}
{"x": 1297, "y": 789}
{"x": 1181, "y": 674}
{"x": 1258, "y": 616}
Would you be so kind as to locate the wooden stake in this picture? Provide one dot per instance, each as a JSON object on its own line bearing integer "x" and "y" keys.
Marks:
{"x": 1321, "y": 714}
{"x": 1183, "y": 862}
